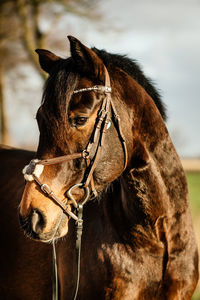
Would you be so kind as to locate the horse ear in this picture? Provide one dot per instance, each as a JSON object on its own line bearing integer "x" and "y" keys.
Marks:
{"x": 86, "y": 60}
{"x": 47, "y": 59}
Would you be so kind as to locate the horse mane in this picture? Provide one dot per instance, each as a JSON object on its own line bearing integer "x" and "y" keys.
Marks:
{"x": 56, "y": 83}
{"x": 132, "y": 68}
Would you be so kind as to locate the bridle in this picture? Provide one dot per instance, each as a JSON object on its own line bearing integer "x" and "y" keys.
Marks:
{"x": 106, "y": 113}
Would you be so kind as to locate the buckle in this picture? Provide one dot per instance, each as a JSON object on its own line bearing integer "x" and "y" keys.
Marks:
{"x": 108, "y": 89}
{"x": 85, "y": 154}
{"x": 45, "y": 188}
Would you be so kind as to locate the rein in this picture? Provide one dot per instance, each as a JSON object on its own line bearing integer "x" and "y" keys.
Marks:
{"x": 32, "y": 172}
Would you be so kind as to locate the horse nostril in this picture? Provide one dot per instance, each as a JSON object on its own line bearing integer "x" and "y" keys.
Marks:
{"x": 37, "y": 221}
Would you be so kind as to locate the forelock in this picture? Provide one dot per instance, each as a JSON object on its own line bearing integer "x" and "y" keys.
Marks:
{"x": 59, "y": 87}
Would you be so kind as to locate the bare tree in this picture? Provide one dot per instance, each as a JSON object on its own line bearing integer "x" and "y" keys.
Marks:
{"x": 22, "y": 32}
{"x": 8, "y": 36}
{"x": 30, "y": 14}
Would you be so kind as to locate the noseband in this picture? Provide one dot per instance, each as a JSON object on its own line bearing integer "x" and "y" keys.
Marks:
{"x": 106, "y": 113}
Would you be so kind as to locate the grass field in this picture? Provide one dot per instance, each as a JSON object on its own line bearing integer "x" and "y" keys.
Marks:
{"x": 194, "y": 190}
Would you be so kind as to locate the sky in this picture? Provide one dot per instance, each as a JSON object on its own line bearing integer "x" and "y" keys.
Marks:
{"x": 163, "y": 36}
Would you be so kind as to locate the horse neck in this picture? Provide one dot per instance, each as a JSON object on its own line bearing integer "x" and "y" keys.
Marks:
{"x": 130, "y": 208}
{"x": 122, "y": 209}
{"x": 150, "y": 186}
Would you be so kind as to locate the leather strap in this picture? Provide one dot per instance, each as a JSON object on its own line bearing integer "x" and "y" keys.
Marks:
{"x": 116, "y": 120}
{"x": 63, "y": 158}
{"x": 79, "y": 231}
{"x": 55, "y": 274}
{"x": 45, "y": 188}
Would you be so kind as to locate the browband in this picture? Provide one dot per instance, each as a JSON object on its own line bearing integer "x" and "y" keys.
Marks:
{"x": 99, "y": 88}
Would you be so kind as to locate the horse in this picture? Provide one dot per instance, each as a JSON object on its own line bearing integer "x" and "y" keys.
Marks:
{"x": 105, "y": 161}
{"x": 26, "y": 266}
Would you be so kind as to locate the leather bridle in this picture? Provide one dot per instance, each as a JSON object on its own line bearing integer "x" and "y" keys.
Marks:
{"x": 105, "y": 115}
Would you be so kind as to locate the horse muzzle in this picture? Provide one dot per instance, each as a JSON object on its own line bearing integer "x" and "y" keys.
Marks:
{"x": 35, "y": 226}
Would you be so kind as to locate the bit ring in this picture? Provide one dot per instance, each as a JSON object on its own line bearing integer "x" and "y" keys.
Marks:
{"x": 86, "y": 196}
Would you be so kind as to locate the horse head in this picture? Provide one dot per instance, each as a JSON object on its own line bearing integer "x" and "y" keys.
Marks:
{"x": 80, "y": 114}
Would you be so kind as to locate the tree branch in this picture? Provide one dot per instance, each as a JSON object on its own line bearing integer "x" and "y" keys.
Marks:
{"x": 3, "y": 127}
{"x": 28, "y": 36}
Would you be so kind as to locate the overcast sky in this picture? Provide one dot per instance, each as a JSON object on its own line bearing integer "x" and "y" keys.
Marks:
{"x": 164, "y": 36}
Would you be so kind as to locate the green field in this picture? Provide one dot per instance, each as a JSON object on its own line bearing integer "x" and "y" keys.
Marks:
{"x": 194, "y": 190}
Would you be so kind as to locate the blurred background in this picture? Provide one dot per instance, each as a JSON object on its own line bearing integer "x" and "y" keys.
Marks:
{"x": 163, "y": 36}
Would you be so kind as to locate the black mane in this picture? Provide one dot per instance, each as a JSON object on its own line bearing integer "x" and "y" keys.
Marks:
{"x": 132, "y": 68}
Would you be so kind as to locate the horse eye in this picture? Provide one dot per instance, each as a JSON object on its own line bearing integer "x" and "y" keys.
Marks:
{"x": 80, "y": 121}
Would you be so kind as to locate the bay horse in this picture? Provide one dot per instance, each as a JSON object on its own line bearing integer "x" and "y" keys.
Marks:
{"x": 25, "y": 266}
{"x": 104, "y": 147}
